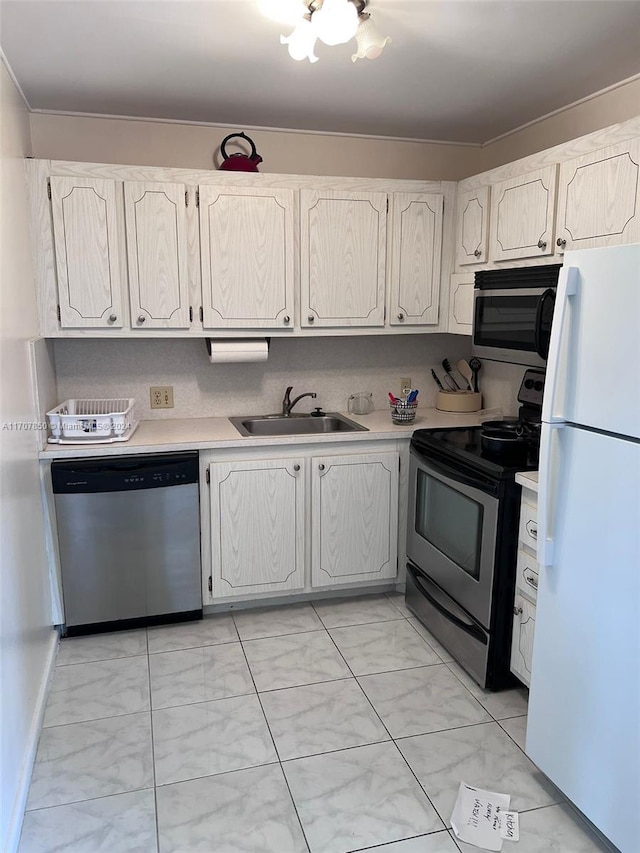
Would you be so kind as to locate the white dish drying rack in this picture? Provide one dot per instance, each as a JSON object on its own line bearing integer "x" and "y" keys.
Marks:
{"x": 99, "y": 421}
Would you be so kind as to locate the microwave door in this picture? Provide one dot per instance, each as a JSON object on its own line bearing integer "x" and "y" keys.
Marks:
{"x": 513, "y": 325}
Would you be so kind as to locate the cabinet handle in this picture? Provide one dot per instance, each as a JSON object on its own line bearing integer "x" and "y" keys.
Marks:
{"x": 141, "y": 318}
{"x": 561, "y": 243}
{"x": 296, "y": 467}
{"x": 542, "y": 244}
{"x": 532, "y": 529}
{"x": 477, "y": 253}
{"x": 401, "y": 316}
{"x": 517, "y": 611}
{"x": 321, "y": 467}
{"x": 530, "y": 579}
{"x": 112, "y": 318}
{"x": 310, "y": 318}
{"x": 286, "y": 320}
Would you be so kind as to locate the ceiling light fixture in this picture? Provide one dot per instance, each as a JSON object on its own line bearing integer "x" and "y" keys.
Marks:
{"x": 331, "y": 21}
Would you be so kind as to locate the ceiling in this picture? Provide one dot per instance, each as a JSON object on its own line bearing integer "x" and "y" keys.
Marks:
{"x": 456, "y": 70}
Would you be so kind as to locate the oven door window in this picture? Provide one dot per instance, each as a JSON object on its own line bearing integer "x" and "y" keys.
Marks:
{"x": 450, "y": 521}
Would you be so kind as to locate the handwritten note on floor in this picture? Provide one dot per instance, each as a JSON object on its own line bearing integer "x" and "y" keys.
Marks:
{"x": 482, "y": 818}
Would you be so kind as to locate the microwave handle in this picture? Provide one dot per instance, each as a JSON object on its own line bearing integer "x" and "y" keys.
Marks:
{"x": 542, "y": 351}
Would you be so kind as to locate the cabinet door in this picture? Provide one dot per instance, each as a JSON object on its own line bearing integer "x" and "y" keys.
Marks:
{"x": 88, "y": 259}
{"x": 522, "y": 214}
{"x": 342, "y": 251}
{"x": 354, "y": 504}
{"x": 461, "y": 304}
{"x": 472, "y": 231}
{"x": 599, "y": 198}
{"x": 247, "y": 246}
{"x": 416, "y": 248}
{"x": 157, "y": 253}
{"x": 524, "y": 623}
{"x": 257, "y": 526}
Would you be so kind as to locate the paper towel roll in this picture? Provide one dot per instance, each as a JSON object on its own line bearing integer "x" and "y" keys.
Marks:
{"x": 223, "y": 350}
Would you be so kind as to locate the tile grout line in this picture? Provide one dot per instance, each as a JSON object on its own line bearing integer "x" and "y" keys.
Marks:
{"x": 397, "y": 748}
{"x": 153, "y": 749}
{"x": 86, "y": 800}
{"x": 275, "y": 747}
{"x": 393, "y": 740}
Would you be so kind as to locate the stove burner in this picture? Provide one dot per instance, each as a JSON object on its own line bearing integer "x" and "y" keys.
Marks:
{"x": 510, "y": 437}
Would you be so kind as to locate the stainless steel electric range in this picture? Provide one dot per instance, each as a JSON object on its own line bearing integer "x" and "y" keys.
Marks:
{"x": 464, "y": 507}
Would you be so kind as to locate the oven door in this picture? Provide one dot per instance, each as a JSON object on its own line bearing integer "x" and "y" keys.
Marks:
{"x": 453, "y": 521}
{"x": 513, "y": 325}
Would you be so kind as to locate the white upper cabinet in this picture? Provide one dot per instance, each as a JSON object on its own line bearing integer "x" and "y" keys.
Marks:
{"x": 354, "y": 519}
{"x": 472, "y": 231}
{"x": 416, "y": 249}
{"x": 342, "y": 258}
{"x": 522, "y": 215}
{"x": 157, "y": 253}
{"x": 461, "y": 304}
{"x": 599, "y": 198}
{"x": 87, "y": 252}
{"x": 257, "y": 526}
{"x": 247, "y": 251}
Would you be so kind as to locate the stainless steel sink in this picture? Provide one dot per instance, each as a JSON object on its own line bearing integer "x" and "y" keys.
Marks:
{"x": 271, "y": 425}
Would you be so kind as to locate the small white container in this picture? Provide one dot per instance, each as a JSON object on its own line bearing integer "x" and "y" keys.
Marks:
{"x": 92, "y": 421}
{"x": 459, "y": 401}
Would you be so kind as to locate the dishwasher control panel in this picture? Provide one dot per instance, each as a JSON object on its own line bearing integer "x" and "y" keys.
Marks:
{"x": 124, "y": 473}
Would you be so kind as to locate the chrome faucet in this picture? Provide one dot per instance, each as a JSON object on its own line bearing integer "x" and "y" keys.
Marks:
{"x": 288, "y": 404}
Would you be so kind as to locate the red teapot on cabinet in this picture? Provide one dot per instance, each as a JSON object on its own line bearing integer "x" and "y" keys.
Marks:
{"x": 239, "y": 162}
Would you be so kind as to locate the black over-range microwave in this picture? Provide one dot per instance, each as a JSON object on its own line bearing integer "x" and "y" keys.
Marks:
{"x": 512, "y": 313}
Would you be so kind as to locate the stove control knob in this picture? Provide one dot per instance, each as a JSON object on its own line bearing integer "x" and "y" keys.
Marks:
{"x": 528, "y": 383}
{"x": 538, "y": 385}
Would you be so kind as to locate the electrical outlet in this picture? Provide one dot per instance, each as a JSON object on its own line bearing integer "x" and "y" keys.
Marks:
{"x": 161, "y": 396}
{"x": 405, "y": 385}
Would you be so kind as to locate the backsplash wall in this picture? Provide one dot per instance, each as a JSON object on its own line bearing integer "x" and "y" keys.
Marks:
{"x": 333, "y": 367}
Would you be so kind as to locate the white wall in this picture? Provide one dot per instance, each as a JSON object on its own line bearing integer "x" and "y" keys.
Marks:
{"x": 192, "y": 146}
{"x": 26, "y": 636}
{"x": 332, "y": 367}
{"x": 616, "y": 104}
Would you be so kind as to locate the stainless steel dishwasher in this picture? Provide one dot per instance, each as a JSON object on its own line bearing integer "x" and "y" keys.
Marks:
{"x": 129, "y": 540}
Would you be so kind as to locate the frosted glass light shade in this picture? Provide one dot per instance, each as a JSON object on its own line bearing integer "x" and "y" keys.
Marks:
{"x": 369, "y": 42}
{"x": 301, "y": 41}
{"x": 335, "y": 22}
{"x": 283, "y": 11}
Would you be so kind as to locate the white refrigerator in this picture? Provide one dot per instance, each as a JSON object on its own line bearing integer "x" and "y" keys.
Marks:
{"x": 583, "y": 728}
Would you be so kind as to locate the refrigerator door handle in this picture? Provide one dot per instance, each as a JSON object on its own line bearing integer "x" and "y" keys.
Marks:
{"x": 567, "y": 287}
{"x": 549, "y": 469}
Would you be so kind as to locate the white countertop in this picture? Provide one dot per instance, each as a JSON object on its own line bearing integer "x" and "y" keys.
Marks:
{"x": 528, "y": 479}
{"x": 166, "y": 435}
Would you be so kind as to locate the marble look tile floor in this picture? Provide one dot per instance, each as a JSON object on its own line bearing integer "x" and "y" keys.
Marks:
{"x": 328, "y": 728}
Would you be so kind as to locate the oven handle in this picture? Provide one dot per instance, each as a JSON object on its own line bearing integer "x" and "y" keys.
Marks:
{"x": 468, "y": 627}
{"x": 549, "y": 293}
{"x": 455, "y": 475}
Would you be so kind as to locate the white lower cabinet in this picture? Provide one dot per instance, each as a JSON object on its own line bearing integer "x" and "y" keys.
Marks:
{"x": 298, "y": 520}
{"x": 257, "y": 526}
{"x": 354, "y": 518}
{"x": 524, "y": 605}
{"x": 524, "y": 623}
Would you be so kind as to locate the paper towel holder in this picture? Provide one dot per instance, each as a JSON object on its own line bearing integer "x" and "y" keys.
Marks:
{"x": 239, "y": 341}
